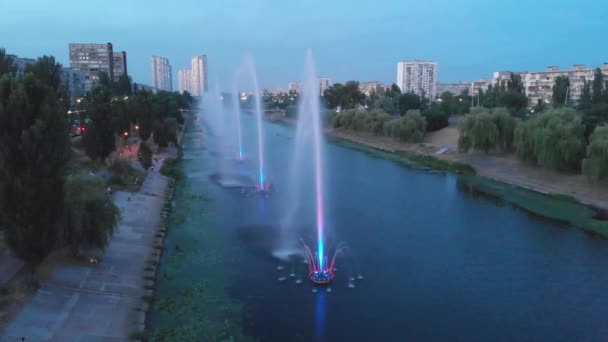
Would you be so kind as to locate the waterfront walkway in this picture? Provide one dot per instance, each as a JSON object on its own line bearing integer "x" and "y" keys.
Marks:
{"x": 79, "y": 301}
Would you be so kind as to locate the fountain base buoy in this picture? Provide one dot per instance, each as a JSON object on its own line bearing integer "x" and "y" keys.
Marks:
{"x": 262, "y": 189}
{"x": 321, "y": 277}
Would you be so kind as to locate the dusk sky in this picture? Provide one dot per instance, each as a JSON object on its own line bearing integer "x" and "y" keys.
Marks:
{"x": 361, "y": 40}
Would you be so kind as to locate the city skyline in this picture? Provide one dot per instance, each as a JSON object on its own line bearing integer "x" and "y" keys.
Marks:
{"x": 469, "y": 41}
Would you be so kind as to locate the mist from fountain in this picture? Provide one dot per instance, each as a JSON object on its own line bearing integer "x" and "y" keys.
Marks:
{"x": 262, "y": 184}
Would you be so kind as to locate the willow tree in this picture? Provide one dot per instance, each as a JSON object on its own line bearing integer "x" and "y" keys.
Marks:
{"x": 553, "y": 139}
{"x": 595, "y": 166}
{"x": 91, "y": 216}
{"x": 409, "y": 128}
{"x": 477, "y": 132}
{"x": 34, "y": 152}
{"x": 505, "y": 127}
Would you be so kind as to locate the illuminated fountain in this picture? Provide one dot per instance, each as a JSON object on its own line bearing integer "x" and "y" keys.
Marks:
{"x": 320, "y": 270}
{"x": 262, "y": 186}
{"x": 236, "y": 103}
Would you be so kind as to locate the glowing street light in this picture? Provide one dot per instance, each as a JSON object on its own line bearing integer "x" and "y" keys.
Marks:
{"x": 136, "y": 127}
{"x": 126, "y": 134}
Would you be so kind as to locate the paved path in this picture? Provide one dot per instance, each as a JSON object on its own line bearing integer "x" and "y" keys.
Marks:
{"x": 83, "y": 302}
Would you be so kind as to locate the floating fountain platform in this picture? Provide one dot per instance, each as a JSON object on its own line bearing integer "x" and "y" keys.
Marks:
{"x": 321, "y": 277}
{"x": 263, "y": 189}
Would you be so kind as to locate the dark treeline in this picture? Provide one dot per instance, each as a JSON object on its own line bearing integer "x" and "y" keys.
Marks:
{"x": 563, "y": 134}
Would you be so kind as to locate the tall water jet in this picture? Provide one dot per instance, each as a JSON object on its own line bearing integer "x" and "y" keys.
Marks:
{"x": 236, "y": 103}
{"x": 321, "y": 271}
{"x": 262, "y": 186}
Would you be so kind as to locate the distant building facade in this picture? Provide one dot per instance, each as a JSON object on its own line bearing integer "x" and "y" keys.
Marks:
{"x": 539, "y": 85}
{"x": 418, "y": 77}
{"x": 295, "y": 87}
{"x": 184, "y": 80}
{"x": 324, "y": 83}
{"x": 368, "y": 88}
{"x": 161, "y": 74}
{"x": 198, "y": 75}
{"x": 92, "y": 60}
{"x": 454, "y": 88}
{"x": 120, "y": 64}
{"x": 478, "y": 85}
{"x": 75, "y": 81}
{"x": 21, "y": 63}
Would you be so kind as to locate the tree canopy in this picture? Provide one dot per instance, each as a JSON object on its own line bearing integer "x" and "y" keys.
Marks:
{"x": 346, "y": 96}
{"x": 595, "y": 165}
{"x": 34, "y": 151}
{"x": 553, "y": 139}
{"x": 91, "y": 217}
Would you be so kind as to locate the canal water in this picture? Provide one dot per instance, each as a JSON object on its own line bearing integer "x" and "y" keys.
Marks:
{"x": 436, "y": 263}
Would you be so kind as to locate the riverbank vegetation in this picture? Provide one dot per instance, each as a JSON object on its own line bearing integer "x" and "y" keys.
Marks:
{"x": 566, "y": 138}
{"x": 46, "y": 204}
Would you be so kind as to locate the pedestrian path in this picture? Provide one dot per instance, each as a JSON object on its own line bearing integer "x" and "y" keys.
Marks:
{"x": 86, "y": 302}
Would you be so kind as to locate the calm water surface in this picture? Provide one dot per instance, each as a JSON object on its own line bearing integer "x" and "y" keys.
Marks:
{"x": 438, "y": 263}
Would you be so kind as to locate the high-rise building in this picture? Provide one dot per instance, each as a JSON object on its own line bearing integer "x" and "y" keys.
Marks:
{"x": 91, "y": 60}
{"x": 324, "y": 83}
{"x": 120, "y": 64}
{"x": 418, "y": 77}
{"x": 184, "y": 80}
{"x": 161, "y": 74}
{"x": 199, "y": 75}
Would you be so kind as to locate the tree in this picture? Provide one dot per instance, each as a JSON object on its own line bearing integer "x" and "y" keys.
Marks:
{"x": 436, "y": 118}
{"x": 477, "y": 132}
{"x": 99, "y": 137}
{"x": 394, "y": 92}
{"x": 34, "y": 152}
{"x": 409, "y": 128}
{"x": 595, "y": 166}
{"x": 91, "y": 217}
{"x": 104, "y": 80}
{"x": 446, "y": 101}
{"x": 595, "y": 116}
{"x": 47, "y": 70}
{"x": 346, "y": 96}
{"x": 6, "y": 63}
{"x": 561, "y": 90}
{"x": 122, "y": 86}
{"x": 407, "y": 102}
{"x": 505, "y": 128}
{"x": 584, "y": 103}
{"x": 598, "y": 87}
{"x": 553, "y": 139}
{"x": 385, "y": 103}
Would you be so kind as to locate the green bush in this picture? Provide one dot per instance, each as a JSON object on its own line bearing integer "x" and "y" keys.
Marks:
{"x": 553, "y": 139}
{"x": 595, "y": 166}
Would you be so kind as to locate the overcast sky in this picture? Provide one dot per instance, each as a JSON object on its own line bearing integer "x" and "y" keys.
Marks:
{"x": 351, "y": 39}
